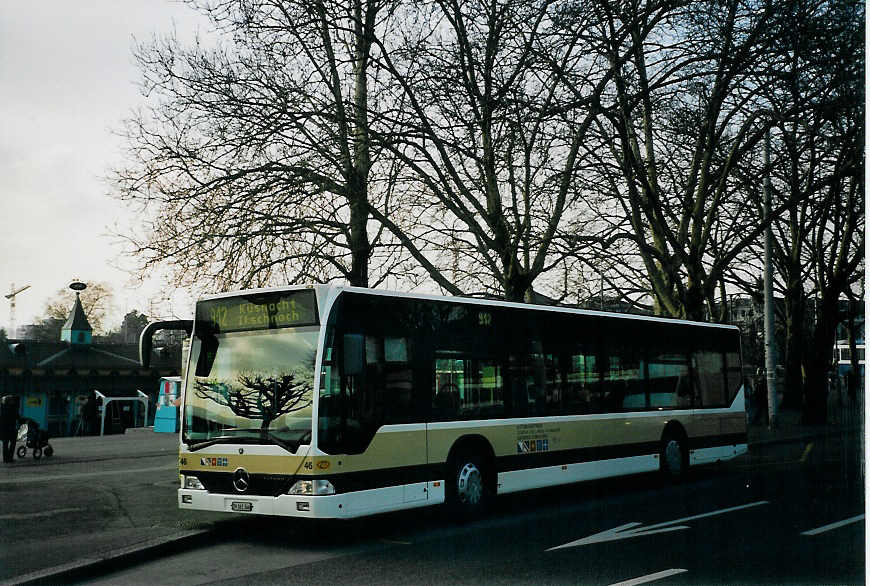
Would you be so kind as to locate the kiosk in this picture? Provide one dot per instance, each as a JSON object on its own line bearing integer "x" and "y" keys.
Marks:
{"x": 166, "y": 418}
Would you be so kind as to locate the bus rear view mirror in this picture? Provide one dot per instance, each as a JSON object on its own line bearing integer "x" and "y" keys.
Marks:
{"x": 354, "y": 354}
{"x": 145, "y": 339}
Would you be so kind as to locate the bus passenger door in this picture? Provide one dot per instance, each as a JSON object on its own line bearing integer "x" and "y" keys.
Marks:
{"x": 391, "y": 376}
{"x": 400, "y": 383}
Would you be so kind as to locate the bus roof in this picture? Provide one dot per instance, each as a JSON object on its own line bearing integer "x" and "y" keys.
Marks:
{"x": 334, "y": 290}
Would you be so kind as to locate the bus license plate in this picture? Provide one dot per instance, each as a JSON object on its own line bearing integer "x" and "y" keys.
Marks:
{"x": 242, "y": 507}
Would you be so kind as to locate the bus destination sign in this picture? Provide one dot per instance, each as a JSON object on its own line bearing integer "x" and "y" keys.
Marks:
{"x": 265, "y": 311}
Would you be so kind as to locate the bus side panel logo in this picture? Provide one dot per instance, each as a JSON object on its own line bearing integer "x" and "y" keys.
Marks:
{"x": 533, "y": 445}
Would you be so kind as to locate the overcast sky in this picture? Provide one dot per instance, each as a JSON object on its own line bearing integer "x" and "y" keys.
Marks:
{"x": 67, "y": 80}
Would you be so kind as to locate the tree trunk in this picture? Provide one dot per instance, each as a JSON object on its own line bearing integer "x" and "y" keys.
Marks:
{"x": 855, "y": 374}
{"x": 695, "y": 307}
{"x": 815, "y": 409}
{"x": 795, "y": 336}
{"x": 517, "y": 286}
{"x": 358, "y": 193}
{"x": 360, "y": 248}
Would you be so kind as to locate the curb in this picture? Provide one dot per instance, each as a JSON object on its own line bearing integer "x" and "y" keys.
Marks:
{"x": 105, "y": 562}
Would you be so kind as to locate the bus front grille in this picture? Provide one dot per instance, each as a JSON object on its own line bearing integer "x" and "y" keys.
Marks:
{"x": 259, "y": 484}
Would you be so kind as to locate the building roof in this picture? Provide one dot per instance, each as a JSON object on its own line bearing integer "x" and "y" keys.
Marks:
{"x": 77, "y": 319}
{"x": 63, "y": 356}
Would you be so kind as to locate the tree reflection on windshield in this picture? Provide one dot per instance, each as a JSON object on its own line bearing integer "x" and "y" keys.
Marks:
{"x": 259, "y": 397}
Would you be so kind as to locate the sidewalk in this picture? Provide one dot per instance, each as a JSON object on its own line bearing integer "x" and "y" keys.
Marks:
{"x": 841, "y": 418}
{"x": 136, "y": 443}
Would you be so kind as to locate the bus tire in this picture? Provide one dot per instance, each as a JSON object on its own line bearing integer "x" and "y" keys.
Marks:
{"x": 674, "y": 455}
{"x": 468, "y": 492}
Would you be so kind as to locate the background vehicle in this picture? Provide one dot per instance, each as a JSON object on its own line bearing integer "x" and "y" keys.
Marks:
{"x": 843, "y": 358}
{"x": 421, "y": 399}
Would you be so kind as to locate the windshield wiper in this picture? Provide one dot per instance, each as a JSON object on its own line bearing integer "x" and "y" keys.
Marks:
{"x": 289, "y": 445}
{"x": 223, "y": 439}
{"x": 268, "y": 437}
{"x": 274, "y": 439}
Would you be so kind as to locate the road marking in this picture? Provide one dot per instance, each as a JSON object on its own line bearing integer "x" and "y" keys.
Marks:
{"x": 836, "y": 525}
{"x": 74, "y": 475}
{"x": 807, "y": 451}
{"x": 17, "y": 516}
{"x": 637, "y": 530}
{"x": 651, "y": 577}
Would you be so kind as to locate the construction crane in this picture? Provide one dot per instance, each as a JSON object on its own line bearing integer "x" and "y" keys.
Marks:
{"x": 11, "y": 297}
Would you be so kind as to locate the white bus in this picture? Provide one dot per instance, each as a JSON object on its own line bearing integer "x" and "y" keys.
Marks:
{"x": 336, "y": 402}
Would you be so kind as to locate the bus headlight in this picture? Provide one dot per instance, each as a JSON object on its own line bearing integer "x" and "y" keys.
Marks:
{"x": 193, "y": 483}
{"x": 317, "y": 487}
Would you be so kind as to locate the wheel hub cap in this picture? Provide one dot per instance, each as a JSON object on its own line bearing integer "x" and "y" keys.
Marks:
{"x": 470, "y": 484}
{"x": 674, "y": 457}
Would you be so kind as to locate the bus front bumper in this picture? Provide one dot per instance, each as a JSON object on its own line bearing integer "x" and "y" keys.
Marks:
{"x": 321, "y": 507}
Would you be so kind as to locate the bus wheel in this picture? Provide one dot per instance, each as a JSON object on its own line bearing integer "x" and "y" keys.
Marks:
{"x": 468, "y": 495}
{"x": 674, "y": 457}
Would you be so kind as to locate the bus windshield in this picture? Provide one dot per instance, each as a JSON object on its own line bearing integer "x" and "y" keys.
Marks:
{"x": 257, "y": 389}
{"x": 254, "y": 385}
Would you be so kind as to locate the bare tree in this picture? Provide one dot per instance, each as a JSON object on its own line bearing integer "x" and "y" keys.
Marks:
{"x": 252, "y": 158}
{"x": 685, "y": 107}
{"x": 488, "y": 149}
{"x": 818, "y": 167}
{"x": 837, "y": 241}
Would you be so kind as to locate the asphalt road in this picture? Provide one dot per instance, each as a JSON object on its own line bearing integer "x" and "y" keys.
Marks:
{"x": 785, "y": 514}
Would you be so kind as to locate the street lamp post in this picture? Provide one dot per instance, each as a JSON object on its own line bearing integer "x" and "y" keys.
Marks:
{"x": 769, "y": 339}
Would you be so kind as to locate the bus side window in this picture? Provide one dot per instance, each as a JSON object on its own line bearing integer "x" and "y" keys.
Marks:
{"x": 528, "y": 384}
{"x": 581, "y": 390}
{"x": 669, "y": 384}
{"x": 486, "y": 397}
{"x": 624, "y": 380}
{"x": 467, "y": 389}
{"x": 733, "y": 376}
{"x": 398, "y": 381}
{"x": 552, "y": 386}
{"x": 709, "y": 368}
{"x": 449, "y": 385}
{"x": 349, "y": 412}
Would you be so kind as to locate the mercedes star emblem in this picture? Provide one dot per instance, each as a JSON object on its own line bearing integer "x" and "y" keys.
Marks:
{"x": 241, "y": 479}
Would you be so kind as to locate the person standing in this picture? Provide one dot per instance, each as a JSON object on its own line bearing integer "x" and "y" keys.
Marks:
{"x": 89, "y": 414}
{"x": 9, "y": 406}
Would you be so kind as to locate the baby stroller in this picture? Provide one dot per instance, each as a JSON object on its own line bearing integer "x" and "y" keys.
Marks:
{"x": 30, "y": 436}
